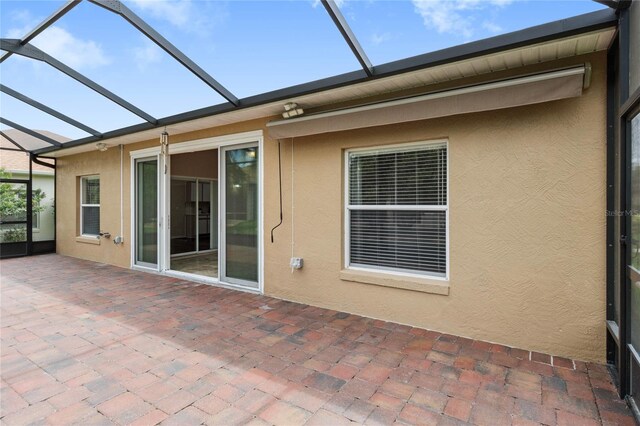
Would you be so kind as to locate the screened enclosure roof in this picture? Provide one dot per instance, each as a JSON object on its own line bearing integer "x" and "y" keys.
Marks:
{"x": 315, "y": 61}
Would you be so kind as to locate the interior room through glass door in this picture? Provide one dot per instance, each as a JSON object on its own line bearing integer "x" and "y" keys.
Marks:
{"x": 194, "y": 213}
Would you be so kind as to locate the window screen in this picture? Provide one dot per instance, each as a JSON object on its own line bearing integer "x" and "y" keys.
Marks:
{"x": 397, "y": 209}
{"x": 90, "y": 205}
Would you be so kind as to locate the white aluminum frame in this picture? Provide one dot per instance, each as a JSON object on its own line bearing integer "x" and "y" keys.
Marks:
{"x": 348, "y": 207}
{"x": 164, "y": 220}
{"x": 82, "y": 204}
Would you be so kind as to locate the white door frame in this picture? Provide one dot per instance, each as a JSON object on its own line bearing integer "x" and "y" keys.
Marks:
{"x": 134, "y": 211}
{"x": 164, "y": 169}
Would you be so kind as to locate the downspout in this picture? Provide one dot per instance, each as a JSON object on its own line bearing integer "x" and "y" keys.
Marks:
{"x": 121, "y": 191}
{"x": 120, "y": 238}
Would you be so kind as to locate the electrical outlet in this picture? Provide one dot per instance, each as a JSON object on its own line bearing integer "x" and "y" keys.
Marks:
{"x": 296, "y": 263}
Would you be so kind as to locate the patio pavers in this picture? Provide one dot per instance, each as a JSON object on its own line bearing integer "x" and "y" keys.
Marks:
{"x": 88, "y": 343}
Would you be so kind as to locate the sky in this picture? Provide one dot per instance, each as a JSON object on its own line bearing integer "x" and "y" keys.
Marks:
{"x": 250, "y": 47}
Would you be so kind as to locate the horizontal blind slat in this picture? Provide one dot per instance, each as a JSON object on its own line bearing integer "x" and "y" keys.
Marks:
{"x": 400, "y": 177}
{"x": 408, "y": 240}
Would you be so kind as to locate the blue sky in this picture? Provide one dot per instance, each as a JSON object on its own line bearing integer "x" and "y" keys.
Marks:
{"x": 250, "y": 47}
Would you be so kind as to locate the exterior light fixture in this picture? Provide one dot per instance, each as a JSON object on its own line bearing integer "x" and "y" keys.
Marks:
{"x": 292, "y": 109}
{"x": 164, "y": 142}
{"x": 101, "y": 146}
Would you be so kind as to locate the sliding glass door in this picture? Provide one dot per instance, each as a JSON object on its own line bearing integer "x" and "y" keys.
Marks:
{"x": 633, "y": 269}
{"x": 146, "y": 221}
{"x": 199, "y": 216}
{"x": 240, "y": 254}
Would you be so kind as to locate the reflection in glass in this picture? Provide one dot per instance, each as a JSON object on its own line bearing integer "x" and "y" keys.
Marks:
{"x": 635, "y": 192}
{"x": 241, "y": 210}
{"x": 147, "y": 223}
{"x": 91, "y": 190}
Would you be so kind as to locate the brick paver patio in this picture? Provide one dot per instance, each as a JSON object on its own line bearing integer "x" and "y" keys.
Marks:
{"x": 87, "y": 343}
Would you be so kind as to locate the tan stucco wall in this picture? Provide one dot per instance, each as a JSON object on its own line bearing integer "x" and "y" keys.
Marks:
{"x": 527, "y": 222}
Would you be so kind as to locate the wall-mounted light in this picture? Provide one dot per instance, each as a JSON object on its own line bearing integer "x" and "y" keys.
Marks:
{"x": 101, "y": 146}
{"x": 291, "y": 109}
{"x": 164, "y": 142}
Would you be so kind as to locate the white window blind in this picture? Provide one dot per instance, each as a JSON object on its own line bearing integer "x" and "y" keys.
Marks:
{"x": 90, "y": 205}
{"x": 397, "y": 209}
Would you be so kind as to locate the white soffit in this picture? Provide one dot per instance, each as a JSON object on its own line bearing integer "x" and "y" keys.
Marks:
{"x": 510, "y": 59}
{"x": 510, "y": 93}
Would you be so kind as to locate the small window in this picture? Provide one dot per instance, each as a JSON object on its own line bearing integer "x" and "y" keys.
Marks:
{"x": 397, "y": 209}
{"x": 35, "y": 221}
{"x": 90, "y": 205}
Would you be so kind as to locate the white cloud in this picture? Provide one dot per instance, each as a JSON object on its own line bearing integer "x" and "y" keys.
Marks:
{"x": 147, "y": 53}
{"x": 197, "y": 17}
{"x": 70, "y": 50}
{"x": 492, "y": 27}
{"x": 61, "y": 44}
{"x": 176, "y": 12}
{"x": 339, "y": 3}
{"x": 378, "y": 39}
{"x": 453, "y": 16}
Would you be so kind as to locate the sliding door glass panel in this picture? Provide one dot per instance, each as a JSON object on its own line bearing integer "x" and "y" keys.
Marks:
{"x": 147, "y": 213}
{"x": 183, "y": 216}
{"x": 634, "y": 268}
{"x": 635, "y": 232}
{"x": 241, "y": 215}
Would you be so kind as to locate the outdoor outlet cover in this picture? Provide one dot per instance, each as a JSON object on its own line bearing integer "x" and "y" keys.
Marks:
{"x": 296, "y": 263}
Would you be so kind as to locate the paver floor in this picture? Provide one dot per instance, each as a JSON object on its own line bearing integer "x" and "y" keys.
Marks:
{"x": 86, "y": 343}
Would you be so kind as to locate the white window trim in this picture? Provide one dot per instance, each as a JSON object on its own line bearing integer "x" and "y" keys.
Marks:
{"x": 82, "y": 178}
{"x": 348, "y": 207}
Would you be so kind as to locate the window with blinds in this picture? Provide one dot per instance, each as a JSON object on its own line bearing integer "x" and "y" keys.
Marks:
{"x": 397, "y": 208}
{"x": 90, "y": 205}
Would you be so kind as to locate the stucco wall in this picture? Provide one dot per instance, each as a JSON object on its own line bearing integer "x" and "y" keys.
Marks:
{"x": 527, "y": 223}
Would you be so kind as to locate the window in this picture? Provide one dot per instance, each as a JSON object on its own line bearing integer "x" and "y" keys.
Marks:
{"x": 397, "y": 209}
{"x": 90, "y": 205}
{"x": 35, "y": 221}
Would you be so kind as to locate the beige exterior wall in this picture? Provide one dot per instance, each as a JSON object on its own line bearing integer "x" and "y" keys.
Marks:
{"x": 527, "y": 222}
